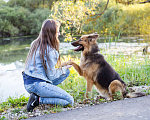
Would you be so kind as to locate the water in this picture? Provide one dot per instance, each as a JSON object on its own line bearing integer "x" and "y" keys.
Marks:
{"x": 13, "y": 53}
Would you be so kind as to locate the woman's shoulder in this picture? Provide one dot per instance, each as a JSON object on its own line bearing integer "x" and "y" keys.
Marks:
{"x": 33, "y": 42}
{"x": 51, "y": 50}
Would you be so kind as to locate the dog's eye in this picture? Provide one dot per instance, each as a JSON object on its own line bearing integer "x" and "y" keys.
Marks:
{"x": 90, "y": 39}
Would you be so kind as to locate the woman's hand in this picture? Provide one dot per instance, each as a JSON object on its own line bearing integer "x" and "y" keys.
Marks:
{"x": 68, "y": 66}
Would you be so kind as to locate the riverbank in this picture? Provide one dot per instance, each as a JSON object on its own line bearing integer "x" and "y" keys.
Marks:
{"x": 126, "y": 58}
{"x": 11, "y": 77}
{"x": 76, "y": 112}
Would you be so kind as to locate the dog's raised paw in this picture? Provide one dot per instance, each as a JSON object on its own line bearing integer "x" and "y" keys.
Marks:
{"x": 64, "y": 64}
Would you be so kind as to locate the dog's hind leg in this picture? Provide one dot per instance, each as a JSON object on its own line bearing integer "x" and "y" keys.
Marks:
{"x": 116, "y": 89}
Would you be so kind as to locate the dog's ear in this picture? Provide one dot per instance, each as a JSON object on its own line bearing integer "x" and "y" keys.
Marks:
{"x": 94, "y": 35}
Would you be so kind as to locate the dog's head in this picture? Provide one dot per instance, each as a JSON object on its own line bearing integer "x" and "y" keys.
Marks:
{"x": 86, "y": 42}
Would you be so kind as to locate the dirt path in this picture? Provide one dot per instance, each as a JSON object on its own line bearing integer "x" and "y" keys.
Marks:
{"x": 128, "y": 109}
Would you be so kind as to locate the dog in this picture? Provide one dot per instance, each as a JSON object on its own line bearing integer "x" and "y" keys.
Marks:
{"x": 97, "y": 71}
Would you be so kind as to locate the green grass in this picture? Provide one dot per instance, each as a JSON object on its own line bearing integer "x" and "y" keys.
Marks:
{"x": 131, "y": 68}
{"x": 134, "y": 70}
{"x": 14, "y": 103}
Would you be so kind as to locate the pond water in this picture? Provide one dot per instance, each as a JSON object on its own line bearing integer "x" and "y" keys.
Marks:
{"x": 13, "y": 52}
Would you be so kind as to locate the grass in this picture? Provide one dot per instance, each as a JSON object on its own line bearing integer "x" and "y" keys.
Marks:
{"x": 14, "y": 103}
{"x": 132, "y": 69}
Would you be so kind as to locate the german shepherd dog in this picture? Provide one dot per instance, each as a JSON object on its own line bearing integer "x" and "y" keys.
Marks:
{"x": 97, "y": 71}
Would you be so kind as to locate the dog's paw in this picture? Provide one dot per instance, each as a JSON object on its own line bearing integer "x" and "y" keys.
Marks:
{"x": 99, "y": 97}
{"x": 86, "y": 101}
{"x": 64, "y": 64}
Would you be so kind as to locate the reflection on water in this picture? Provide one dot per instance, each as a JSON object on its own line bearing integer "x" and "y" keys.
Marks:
{"x": 13, "y": 53}
{"x": 10, "y": 67}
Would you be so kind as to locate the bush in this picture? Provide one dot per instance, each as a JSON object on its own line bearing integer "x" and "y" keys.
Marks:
{"x": 7, "y": 29}
{"x": 38, "y": 16}
{"x": 127, "y": 20}
{"x": 73, "y": 16}
{"x": 15, "y": 21}
{"x": 20, "y": 21}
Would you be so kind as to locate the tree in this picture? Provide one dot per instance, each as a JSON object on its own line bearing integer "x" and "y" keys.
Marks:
{"x": 31, "y": 4}
{"x": 148, "y": 1}
{"x": 13, "y": 3}
{"x": 73, "y": 15}
{"x": 16, "y": 17}
{"x": 38, "y": 16}
{"x": 7, "y": 29}
{"x": 2, "y": 2}
{"x": 127, "y": 2}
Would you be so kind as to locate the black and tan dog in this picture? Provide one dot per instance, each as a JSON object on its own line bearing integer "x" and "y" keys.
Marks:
{"x": 97, "y": 71}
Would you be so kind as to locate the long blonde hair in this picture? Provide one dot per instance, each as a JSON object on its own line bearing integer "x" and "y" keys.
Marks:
{"x": 47, "y": 36}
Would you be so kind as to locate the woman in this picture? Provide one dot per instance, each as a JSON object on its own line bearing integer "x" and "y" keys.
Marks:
{"x": 40, "y": 75}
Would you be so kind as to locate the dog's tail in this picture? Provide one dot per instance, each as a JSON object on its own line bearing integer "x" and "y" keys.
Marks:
{"x": 135, "y": 94}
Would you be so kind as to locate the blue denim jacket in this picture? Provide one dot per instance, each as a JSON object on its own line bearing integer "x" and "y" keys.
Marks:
{"x": 38, "y": 71}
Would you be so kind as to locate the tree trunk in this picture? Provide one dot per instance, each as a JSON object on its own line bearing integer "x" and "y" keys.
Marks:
{"x": 43, "y": 3}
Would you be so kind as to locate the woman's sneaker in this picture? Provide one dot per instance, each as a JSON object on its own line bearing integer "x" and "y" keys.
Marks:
{"x": 33, "y": 102}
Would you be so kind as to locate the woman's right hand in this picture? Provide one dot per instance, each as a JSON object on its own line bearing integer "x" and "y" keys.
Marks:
{"x": 68, "y": 66}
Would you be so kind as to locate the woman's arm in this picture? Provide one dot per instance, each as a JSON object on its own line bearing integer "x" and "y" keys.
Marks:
{"x": 52, "y": 72}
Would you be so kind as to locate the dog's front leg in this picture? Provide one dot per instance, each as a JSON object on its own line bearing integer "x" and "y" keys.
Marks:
{"x": 89, "y": 89}
{"x": 76, "y": 67}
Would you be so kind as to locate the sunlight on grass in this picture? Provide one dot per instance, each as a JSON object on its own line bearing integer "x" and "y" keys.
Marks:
{"x": 132, "y": 69}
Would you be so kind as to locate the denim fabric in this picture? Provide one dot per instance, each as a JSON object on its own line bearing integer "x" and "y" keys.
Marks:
{"x": 34, "y": 67}
{"x": 50, "y": 93}
{"x": 30, "y": 80}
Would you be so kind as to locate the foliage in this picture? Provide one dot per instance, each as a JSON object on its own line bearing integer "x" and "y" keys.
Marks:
{"x": 38, "y": 16}
{"x": 19, "y": 17}
{"x": 117, "y": 95}
{"x": 73, "y": 15}
{"x": 31, "y": 4}
{"x": 2, "y": 2}
{"x": 128, "y": 2}
{"x": 128, "y": 20}
{"x": 23, "y": 117}
{"x": 2, "y": 118}
{"x": 20, "y": 21}
{"x": 7, "y": 29}
{"x": 14, "y": 20}
{"x": 130, "y": 69}
{"x": 14, "y": 102}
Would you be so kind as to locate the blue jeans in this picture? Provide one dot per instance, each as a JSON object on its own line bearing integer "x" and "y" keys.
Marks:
{"x": 50, "y": 93}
